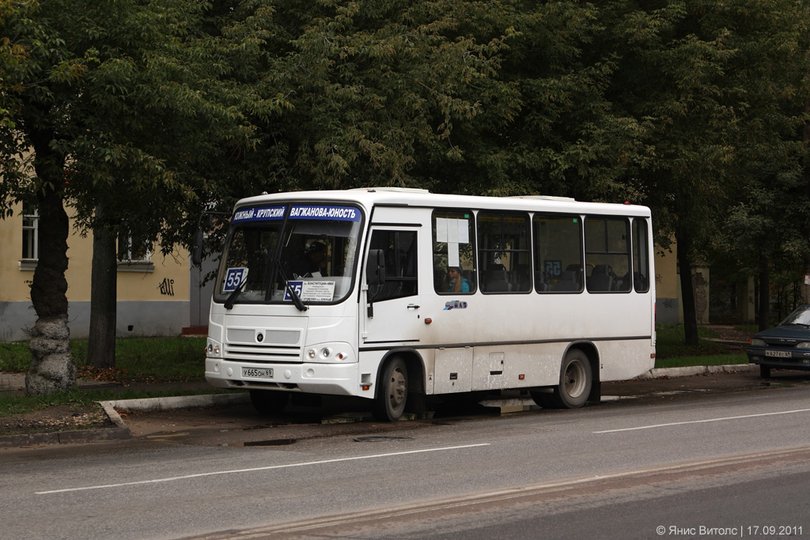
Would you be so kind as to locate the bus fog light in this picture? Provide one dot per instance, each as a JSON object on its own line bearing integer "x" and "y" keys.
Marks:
{"x": 287, "y": 374}
{"x": 230, "y": 372}
{"x": 310, "y": 372}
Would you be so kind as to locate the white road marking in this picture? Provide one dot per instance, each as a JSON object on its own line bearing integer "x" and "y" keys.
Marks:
{"x": 256, "y": 469}
{"x": 706, "y": 421}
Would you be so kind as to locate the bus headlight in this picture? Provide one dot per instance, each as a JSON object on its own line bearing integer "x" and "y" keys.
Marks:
{"x": 334, "y": 352}
{"x": 212, "y": 348}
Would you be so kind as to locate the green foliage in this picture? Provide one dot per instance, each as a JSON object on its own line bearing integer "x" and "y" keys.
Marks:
{"x": 669, "y": 343}
{"x": 720, "y": 359}
{"x": 696, "y": 109}
{"x": 138, "y": 359}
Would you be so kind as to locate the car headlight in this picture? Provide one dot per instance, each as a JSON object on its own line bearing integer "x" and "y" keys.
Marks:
{"x": 803, "y": 345}
{"x": 755, "y": 342}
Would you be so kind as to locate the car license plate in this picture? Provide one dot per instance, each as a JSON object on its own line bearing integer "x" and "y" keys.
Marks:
{"x": 253, "y": 372}
{"x": 778, "y": 354}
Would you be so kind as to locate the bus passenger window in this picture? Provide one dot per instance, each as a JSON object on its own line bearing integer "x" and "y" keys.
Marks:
{"x": 607, "y": 254}
{"x": 641, "y": 257}
{"x": 504, "y": 252}
{"x": 453, "y": 253}
{"x": 557, "y": 253}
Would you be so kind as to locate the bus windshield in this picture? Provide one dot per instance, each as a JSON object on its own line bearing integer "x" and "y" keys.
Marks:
{"x": 276, "y": 251}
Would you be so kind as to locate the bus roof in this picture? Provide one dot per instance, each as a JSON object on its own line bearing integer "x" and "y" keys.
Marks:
{"x": 369, "y": 197}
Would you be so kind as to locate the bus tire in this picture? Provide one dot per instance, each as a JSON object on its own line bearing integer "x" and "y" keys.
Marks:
{"x": 269, "y": 402}
{"x": 392, "y": 393}
{"x": 576, "y": 382}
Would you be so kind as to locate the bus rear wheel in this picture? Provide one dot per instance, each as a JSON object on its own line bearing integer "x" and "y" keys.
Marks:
{"x": 269, "y": 402}
{"x": 576, "y": 382}
{"x": 392, "y": 394}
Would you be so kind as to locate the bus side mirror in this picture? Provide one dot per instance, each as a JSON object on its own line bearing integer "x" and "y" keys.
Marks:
{"x": 375, "y": 267}
{"x": 197, "y": 248}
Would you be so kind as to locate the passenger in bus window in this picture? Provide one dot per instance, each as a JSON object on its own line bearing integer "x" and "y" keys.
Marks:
{"x": 458, "y": 283}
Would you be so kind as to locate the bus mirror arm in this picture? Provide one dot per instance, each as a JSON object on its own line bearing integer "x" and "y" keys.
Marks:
{"x": 375, "y": 276}
{"x": 375, "y": 268}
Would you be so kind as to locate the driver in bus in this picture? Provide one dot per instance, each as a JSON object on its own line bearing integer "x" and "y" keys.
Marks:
{"x": 314, "y": 263}
{"x": 458, "y": 283}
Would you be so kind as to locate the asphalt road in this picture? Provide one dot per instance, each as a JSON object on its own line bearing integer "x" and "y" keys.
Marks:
{"x": 681, "y": 459}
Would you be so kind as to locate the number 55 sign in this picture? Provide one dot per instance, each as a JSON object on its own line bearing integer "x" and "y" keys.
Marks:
{"x": 233, "y": 278}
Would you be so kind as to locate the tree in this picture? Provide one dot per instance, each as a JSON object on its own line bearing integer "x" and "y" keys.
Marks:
{"x": 766, "y": 231}
{"x": 673, "y": 62}
{"x": 118, "y": 101}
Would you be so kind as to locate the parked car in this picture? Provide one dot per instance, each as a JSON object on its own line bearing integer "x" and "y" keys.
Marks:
{"x": 785, "y": 346}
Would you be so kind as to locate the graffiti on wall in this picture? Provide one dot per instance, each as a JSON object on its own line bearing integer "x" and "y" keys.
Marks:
{"x": 166, "y": 287}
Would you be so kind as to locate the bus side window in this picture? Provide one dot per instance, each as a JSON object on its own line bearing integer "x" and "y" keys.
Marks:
{"x": 504, "y": 251}
{"x": 607, "y": 254}
{"x": 400, "y": 264}
{"x": 453, "y": 254}
{"x": 558, "y": 253}
{"x": 641, "y": 257}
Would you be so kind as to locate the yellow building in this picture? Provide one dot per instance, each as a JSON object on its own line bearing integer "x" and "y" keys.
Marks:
{"x": 153, "y": 289}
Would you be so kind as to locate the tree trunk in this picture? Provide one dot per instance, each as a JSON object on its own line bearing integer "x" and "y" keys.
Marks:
{"x": 764, "y": 300}
{"x": 690, "y": 327}
{"x": 51, "y": 368}
{"x": 103, "y": 298}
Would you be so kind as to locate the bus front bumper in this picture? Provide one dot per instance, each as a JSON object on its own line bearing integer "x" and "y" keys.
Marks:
{"x": 330, "y": 379}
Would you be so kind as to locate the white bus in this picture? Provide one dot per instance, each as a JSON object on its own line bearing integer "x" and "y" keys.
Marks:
{"x": 396, "y": 294}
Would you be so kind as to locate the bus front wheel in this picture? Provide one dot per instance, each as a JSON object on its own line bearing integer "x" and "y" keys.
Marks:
{"x": 392, "y": 394}
{"x": 576, "y": 381}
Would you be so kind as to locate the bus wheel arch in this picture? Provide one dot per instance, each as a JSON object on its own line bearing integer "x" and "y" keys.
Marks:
{"x": 400, "y": 385}
{"x": 579, "y": 380}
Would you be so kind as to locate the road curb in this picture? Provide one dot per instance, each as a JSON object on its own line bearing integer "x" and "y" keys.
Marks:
{"x": 120, "y": 431}
{"x": 689, "y": 371}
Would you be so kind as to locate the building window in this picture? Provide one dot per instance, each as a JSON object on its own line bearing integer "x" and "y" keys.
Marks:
{"x": 30, "y": 244}
{"x": 134, "y": 254}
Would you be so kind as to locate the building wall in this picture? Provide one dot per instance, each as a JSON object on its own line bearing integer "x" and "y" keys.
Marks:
{"x": 153, "y": 300}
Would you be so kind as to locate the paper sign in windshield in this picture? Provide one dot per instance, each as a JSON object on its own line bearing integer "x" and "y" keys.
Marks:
{"x": 311, "y": 291}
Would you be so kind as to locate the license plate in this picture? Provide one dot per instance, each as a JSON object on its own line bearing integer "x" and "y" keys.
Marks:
{"x": 779, "y": 354}
{"x": 264, "y": 373}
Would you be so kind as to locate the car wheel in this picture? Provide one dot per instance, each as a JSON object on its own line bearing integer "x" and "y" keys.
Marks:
{"x": 764, "y": 371}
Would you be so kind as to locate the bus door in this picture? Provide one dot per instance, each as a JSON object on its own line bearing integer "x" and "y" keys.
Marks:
{"x": 392, "y": 311}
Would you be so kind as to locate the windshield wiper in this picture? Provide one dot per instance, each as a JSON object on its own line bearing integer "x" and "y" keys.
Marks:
{"x": 299, "y": 304}
{"x": 231, "y": 300}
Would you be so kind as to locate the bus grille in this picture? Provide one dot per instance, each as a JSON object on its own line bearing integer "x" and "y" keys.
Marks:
{"x": 263, "y": 345}
{"x": 262, "y": 353}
